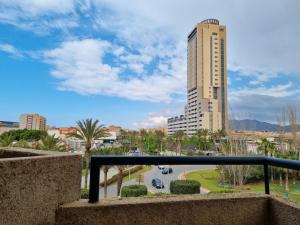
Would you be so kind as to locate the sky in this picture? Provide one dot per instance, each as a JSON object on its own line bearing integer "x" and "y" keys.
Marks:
{"x": 124, "y": 62}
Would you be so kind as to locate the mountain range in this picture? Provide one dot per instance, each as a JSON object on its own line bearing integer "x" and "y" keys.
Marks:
{"x": 256, "y": 125}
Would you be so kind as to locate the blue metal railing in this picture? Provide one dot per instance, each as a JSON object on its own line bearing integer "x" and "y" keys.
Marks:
{"x": 98, "y": 161}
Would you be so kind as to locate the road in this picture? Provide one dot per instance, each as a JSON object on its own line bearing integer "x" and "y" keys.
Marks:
{"x": 156, "y": 173}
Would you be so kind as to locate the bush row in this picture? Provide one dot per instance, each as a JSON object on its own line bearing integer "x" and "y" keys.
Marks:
{"x": 185, "y": 187}
{"x": 134, "y": 191}
{"x": 84, "y": 193}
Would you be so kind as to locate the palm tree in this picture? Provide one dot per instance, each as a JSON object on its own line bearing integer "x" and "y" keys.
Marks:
{"x": 202, "y": 135}
{"x": 120, "y": 179}
{"x": 133, "y": 138}
{"x": 6, "y": 139}
{"x": 178, "y": 137}
{"x": 216, "y": 136}
{"x": 143, "y": 134}
{"x": 266, "y": 147}
{"x": 88, "y": 130}
{"x": 123, "y": 139}
{"x": 160, "y": 137}
{"x": 105, "y": 171}
{"x": 22, "y": 144}
{"x": 105, "y": 168}
{"x": 50, "y": 142}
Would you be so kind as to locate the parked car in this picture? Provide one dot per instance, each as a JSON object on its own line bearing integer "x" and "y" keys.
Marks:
{"x": 134, "y": 152}
{"x": 161, "y": 167}
{"x": 167, "y": 170}
{"x": 157, "y": 183}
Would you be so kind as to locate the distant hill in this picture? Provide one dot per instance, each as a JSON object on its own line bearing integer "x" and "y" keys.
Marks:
{"x": 247, "y": 124}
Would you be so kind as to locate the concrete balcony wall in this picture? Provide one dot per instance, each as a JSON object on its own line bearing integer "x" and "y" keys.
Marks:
{"x": 284, "y": 213}
{"x": 234, "y": 209}
{"x": 33, "y": 184}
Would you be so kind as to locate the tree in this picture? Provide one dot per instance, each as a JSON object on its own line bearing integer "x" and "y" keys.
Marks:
{"x": 143, "y": 134}
{"x": 105, "y": 168}
{"x": 6, "y": 139}
{"x": 121, "y": 169}
{"x": 202, "y": 134}
{"x": 160, "y": 135}
{"x": 123, "y": 140}
{"x": 22, "y": 144}
{"x": 88, "y": 130}
{"x": 24, "y": 134}
{"x": 50, "y": 142}
{"x": 266, "y": 147}
{"x": 293, "y": 122}
{"x": 178, "y": 137}
{"x": 134, "y": 138}
{"x": 281, "y": 121}
{"x": 216, "y": 136}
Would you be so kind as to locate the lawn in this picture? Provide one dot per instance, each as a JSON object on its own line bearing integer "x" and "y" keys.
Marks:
{"x": 136, "y": 174}
{"x": 209, "y": 179}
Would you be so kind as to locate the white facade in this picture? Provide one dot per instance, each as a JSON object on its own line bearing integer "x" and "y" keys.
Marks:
{"x": 176, "y": 123}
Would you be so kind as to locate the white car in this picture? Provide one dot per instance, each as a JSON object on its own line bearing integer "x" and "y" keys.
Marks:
{"x": 161, "y": 167}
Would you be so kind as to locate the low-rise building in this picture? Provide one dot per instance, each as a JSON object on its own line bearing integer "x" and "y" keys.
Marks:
{"x": 154, "y": 129}
{"x": 77, "y": 145}
{"x": 177, "y": 123}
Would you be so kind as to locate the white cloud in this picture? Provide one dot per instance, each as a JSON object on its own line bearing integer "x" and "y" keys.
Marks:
{"x": 262, "y": 44}
{"x": 41, "y": 16}
{"x": 153, "y": 120}
{"x": 80, "y": 67}
{"x": 37, "y": 7}
{"x": 274, "y": 91}
{"x": 10, "y": 49}
{"x": 263, "y": 103}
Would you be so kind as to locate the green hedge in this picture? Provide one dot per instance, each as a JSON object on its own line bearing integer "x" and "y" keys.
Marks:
{"x": 223, "y": 191}
{"x": 134, "y": 191}
{"x": 84, "y": 193}
{"x": 185, "y": 187}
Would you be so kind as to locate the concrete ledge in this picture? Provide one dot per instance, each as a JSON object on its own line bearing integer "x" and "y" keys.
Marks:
{"x": 225, "y": 209}
{"x": 34, "y": 183}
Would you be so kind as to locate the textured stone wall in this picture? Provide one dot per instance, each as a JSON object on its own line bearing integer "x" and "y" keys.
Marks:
{"x": 182, "y": 210}
{"x": 32, "y": 187}
{"x": 14, "y": 153}
{"x": 284, "y": 213}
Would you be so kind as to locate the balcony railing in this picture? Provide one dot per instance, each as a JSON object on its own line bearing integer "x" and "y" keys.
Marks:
{"x": 98, "y": 161}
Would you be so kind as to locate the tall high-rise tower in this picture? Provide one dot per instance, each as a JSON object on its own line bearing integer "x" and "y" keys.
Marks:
{"x": 207, "y": 77}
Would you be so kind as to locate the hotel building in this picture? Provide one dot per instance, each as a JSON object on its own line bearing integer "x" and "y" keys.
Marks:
{"x": 206, "y": 78}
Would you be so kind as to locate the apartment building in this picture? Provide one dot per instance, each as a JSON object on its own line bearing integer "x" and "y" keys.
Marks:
{"x": 32, "y": 122}
{"x": 206, "y": 78}
{"x": 176, "y": 123}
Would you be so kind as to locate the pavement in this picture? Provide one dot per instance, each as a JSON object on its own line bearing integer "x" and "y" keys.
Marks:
{"x": 178, "y": 172}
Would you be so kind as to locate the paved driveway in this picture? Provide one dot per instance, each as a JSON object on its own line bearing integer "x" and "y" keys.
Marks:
{"x": 156, "y": 173}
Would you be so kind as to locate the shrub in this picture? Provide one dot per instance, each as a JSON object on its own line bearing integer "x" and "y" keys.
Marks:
{"x": 84, "y": 193}
{"x": 134, "y": 191}
{"x": 223, "y": 191}
{"x": 185, "y": 187}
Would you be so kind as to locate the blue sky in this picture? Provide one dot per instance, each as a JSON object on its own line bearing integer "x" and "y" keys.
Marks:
{"x": 124, "y": 62}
